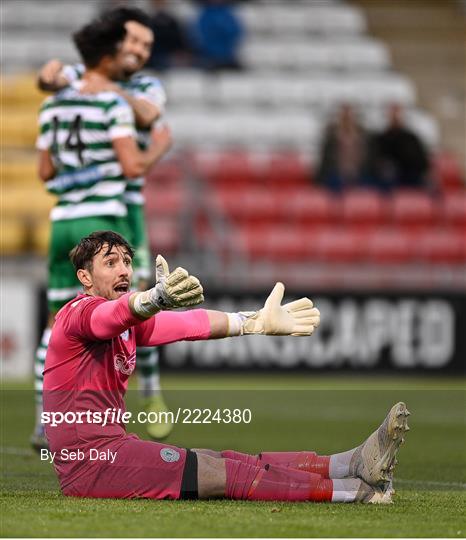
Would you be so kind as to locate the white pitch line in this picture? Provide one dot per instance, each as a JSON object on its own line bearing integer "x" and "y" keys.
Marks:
{"x": 430, "y": 483}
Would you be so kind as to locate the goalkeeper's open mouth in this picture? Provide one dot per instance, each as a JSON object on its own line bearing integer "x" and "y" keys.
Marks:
{"x": 121, "y": 288}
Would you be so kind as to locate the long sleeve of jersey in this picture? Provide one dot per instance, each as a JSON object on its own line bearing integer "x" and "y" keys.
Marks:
{"x": 169, "y": 326}
{"x": 98, "y": 319}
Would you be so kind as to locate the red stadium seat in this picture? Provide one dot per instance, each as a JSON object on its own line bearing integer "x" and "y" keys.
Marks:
{"x": 454, "y": 208}
{"x": 363, "y": 206}
{"x": 164, "y": 235}
{"x": 335, "y": 244}
{"x": 164, "y": 174}
{"x": 448, "y": 172}
{"x": 234, "y": 168}
{"x": 253, "y": 206}
{"x": 390, "y": 245}
{"x": 412, "y": 207}
{"x": 273, "y": 243}
{"x": 284, "y": 170}
{"x": 285, "y": 244}
{"x": 165, "y": 201}
{"x": 204, "y": 163}
{"x": 306, "y": 206}
{"x": 442, "y": 246}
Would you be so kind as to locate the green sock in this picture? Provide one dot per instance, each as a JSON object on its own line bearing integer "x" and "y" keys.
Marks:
{"x": 147, "y": 362}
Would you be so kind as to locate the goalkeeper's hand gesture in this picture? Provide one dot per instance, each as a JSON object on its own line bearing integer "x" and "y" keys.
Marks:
{"x": 175, "y": 289}
{"x": 298, "y": 318}
{"x": 172, "y": 290}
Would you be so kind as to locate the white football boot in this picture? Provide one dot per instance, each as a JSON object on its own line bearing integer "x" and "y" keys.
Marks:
{"x": 377, "y": 495}
{"x": 375, "y": 459}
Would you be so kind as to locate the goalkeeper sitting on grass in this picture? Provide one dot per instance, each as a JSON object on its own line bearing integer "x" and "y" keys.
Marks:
{"x": 92, "y": 354}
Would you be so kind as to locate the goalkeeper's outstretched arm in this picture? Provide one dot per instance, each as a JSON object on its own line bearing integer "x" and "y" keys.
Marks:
{"x": 178, "y": 289}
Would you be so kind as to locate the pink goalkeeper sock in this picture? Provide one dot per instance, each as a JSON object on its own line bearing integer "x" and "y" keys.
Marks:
{"x": 303, "y": 461}
{"x": 272, "y": 483}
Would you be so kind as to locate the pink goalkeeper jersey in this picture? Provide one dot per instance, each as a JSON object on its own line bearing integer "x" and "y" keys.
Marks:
{"x": 92, "y": 353}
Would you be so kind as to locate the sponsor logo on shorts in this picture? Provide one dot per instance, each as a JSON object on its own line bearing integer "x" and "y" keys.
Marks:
{"x": 170, "y": 455}
{"x": 124, "y": 365}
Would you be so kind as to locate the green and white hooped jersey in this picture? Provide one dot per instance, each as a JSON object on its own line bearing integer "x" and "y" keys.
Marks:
{"x": 78, "y": 130}
{"x": 142, "y": 87}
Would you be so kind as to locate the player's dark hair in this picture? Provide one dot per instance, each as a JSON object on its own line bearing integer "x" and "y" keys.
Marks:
{"x": 83, "y": 254}
{"x": 121, "y": 15}
{"x": 98, "y": 39}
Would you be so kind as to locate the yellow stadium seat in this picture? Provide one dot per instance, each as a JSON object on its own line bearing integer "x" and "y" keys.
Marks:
{"x": 26, "y": 201}
{"x": 18, "y": 173}
{"x": 19, "y": 127}
{"x": 13, "y": 235}
{"x": 21, "y": 90}
{"x": 40, "y": 237}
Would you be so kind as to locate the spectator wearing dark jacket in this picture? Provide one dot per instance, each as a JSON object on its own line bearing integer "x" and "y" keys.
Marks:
{"x": 400, "y": 157}
{"x": 170, "y": 48}
{"x": 344, "y": 153}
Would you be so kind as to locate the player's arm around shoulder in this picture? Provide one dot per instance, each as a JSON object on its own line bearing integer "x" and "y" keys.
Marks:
{"x": 54, "y": 75}
{"x": 147, "y": 98}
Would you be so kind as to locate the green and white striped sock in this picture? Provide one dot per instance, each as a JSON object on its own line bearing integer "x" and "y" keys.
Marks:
{"x": 39, "y": 362}
{"x": 147, "y": 362}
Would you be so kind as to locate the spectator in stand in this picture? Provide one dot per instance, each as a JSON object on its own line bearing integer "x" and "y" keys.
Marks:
{"x": 344, "y": 159}
{"x": 216, "y": 35}
{"x": 171, "y": 48}
{"x": 400, "y": 157}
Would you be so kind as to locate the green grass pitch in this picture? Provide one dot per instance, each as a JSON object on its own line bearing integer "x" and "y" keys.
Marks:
{"x": 325, "y": 414}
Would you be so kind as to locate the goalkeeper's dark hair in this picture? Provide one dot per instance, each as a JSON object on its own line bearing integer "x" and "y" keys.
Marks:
{"x": 83, "y": 254}
{"x": 121, "y": 15}
{"x": 98, "y": 39}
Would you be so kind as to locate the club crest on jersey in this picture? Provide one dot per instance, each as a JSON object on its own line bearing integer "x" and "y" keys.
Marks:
{"x": 123, "y": 364}
{"x": 125, "y": 335}
{"x": 170, "y": 455}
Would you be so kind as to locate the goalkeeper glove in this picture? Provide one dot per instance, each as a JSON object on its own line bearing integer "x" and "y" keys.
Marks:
{"x": 298, "y": 318}
{"x": 172, "y": 290}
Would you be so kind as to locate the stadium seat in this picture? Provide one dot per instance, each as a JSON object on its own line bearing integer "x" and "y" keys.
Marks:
{"x": 447, "y": 171}
{"x": 164, "y": 235}
{"x": 237, "y": 89}
{"x": 15, "y": 201}
{"x": 18, "y": 171}
{"x": 272, "y": 18}
{"x": 233, "y": 168}
{"x": 257, "y": 206}
{"x": 286, "y": 170}
{"x": 185, "y": 87}
{"x": 442, "y": 246}
{"x": 165, "y": 175}
{"x": 41, "y": 237}
{"x": 412, "y": 207}
{"x": 335, "y": 244}
{"x": 391, "y": 245}
{"x": 309, "y": 206}
{"x": 311, "y": 53}
{"x": 164, "y": 201}
{"x": 364, "y": 207}
{"x": 13, "y": 236}
{"x": 454, "y": 207}
{"x": 250, "y": 241}
{"x": 272, "y": 243}
{"x": 19, "y": 127}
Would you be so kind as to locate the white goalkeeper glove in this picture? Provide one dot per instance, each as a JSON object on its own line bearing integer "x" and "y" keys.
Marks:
{"x": 172, "y": 290}
{"x": 298, "y": 318}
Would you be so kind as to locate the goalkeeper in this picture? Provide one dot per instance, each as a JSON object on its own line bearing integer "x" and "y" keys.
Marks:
{"x": 92, "y": 353}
